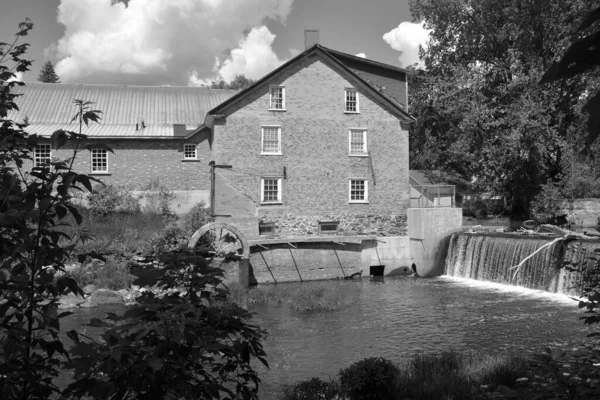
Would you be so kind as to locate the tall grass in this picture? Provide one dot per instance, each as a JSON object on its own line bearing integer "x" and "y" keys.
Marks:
{"x": 455, "y": 375}
{"x": 449, "y": 375}
{"x": 319, "y": 297}
{"x": 244, "y": 297}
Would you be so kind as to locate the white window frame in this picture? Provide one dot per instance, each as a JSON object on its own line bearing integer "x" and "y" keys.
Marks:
{"x": 365, "y": 151}
{"x": 262, "y": 190}
{"x": 271, "y": 105}
{"x": 262, "y": 141}
{"x": 92, "y": 155}
{"x": 38, "y": 158}
{"x": 185, "y": 151}
{"x": 351, "y": 90}
{"x": 366, "y": 194}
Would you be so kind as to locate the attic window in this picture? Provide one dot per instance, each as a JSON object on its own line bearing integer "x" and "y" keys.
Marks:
{"x": 351, "y": 101}
{"x": 328, "y": 227}
{"x": 277, "y": 98}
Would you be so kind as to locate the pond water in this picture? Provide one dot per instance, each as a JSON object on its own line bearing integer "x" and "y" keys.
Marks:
{"x": 399, "y": 317}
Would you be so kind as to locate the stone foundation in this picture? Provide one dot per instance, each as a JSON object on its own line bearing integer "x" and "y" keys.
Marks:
{"x": 349, "y": 224}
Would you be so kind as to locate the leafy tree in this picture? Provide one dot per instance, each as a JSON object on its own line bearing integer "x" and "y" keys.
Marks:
{"x": 239, "y": 82}
{"x": 481, "y": 110}
{"x": 33, "y": 206}
{"x": 47, "y": 74}
{"x": 184, "y": 342}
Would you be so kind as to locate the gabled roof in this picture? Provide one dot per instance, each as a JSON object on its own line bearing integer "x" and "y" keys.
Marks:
{"x": 424, "y": 177}
{"x": 333, "y": 58}
{"x": 167, "y": 111}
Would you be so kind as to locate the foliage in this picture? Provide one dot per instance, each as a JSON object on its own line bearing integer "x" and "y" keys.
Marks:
{"x": 370, "y": 378}
{"x": 186, "y": 344}
{"x": 113, "y": 275}
{"x": 198, "y": 216}
{"x": 33, "y": 206}
{"x": 549, "y": 204}
{"x": 480, "y": 109}
{"x": 582, "y": 57}
{"x": 317, "y": 298}
{"x": 311, "y": 389}
{"x": 111, "y": 199}
{"x": 158, "y": 198}
{"x": 245, "y": 297}
{"x": 47, "y": 74}
{"x": 239, "y": 82}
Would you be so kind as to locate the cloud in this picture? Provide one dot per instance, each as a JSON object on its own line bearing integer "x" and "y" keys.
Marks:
{"x": 361, "y": 55}
{"x": 406, "y": 38}
{"x": 160, "y": 41}
{"x": 18, "y": 77}
{"x": 254, "y": 57}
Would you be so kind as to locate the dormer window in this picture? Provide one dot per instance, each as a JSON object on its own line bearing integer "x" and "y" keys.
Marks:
{"x": 277, "y": 98}
{"x": 351, "y": 101}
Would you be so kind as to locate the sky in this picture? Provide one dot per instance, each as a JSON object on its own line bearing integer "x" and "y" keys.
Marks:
{"x": 194, "y": 42}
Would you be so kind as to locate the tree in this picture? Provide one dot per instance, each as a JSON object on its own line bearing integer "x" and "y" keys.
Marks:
{"x": 238, "y": 83}
{"x": 47, "y": 74}
{"x": 481, "y": 110}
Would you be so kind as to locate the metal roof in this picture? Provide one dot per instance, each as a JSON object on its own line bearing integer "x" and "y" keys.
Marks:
{"x": 49, "y": 106}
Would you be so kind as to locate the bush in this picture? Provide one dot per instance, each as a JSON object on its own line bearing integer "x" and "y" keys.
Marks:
{"x": 311, "y": 389}
{"x": 158, "y": 198}
{"x": 112, "y": 200}
{"x": 475, "y": 208}
{"x": 171, "y": 239}
{"x": 371, "y": 378}
{"x": 198, "y": 216}
{"x": 320, "y": 297}
{"x": 549, "y": 204}
{"x": 110, "y": 275}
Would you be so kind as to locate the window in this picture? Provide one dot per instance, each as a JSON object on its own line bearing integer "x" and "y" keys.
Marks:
{"x": 189, "y": 152}
{"x": 358, "y": 142}
{"x": 42, "y": 155}
{"x": 270, "y": 190}
{"x": 266, "y": 228}
{"x": 359, "y": 192}
{"x": 99, "y": 161}
{"x": 271, "y": 140}
{"x": 277, "y": 98}
{"x": 328, "y": 227}
{"x": 351, "y": 101}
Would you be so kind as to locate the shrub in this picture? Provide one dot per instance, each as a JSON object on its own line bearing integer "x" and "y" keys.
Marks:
{"x": 311, "y": 389}
{"x": 372, "y": 378}
{"x": 319, "y": 297}
{"x": 110, "y": 274}
{"x": 548, "y": 205}
{"x": 475, "y": 208}
{"x": 112, "y": 200}
{"x": 158, "y": 198}
{"x": 198, "y": 216}
{"x": 170, "y": 239}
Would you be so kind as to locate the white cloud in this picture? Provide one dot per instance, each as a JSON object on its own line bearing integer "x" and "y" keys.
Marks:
{"x": 361, "y": 55}
{"x": 159, "y": 41}
{"x": 406, "y": 38}
{"x": 18, "y": 77}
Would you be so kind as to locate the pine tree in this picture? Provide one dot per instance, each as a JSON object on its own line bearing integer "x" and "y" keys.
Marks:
{"x": 47, "y": 74}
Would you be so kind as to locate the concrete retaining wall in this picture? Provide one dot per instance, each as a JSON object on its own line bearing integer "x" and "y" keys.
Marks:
{"x": 429, "y": 230}
{"x": 584, "y": 212}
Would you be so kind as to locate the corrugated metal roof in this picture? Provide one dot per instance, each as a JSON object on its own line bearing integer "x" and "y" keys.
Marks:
{"x": 49, "y": 106}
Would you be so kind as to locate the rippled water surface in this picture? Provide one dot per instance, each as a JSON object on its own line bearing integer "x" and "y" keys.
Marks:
{"x": 399, "y": 317}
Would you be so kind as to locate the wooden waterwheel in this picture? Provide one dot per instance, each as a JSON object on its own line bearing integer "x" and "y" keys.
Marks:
{"x": 218, "y": 240}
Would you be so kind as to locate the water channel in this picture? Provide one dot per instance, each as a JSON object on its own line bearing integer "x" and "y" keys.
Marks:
{"x": 399, "y": 317}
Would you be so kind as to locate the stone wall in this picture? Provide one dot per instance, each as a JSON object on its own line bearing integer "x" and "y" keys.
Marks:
{"x": 349, "y": 224}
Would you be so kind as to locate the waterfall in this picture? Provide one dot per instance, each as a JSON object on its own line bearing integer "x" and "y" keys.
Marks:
{"x": 490, "y": 257}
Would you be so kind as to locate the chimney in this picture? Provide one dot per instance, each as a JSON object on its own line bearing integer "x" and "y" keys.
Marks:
{"x": 311, "y": 37}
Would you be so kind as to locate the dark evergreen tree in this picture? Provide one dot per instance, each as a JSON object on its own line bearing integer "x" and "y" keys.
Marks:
{"x": 47, "y": 74}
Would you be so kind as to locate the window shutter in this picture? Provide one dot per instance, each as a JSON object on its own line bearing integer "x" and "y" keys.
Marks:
{"x": 262, "y": 190}
{"x": 279, "y": 190}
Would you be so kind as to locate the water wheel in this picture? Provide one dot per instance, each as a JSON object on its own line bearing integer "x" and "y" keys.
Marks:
{"x": 219, "y": 239}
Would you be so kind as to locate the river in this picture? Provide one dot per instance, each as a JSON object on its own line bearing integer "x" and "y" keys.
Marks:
{"x": 399, "y": 317}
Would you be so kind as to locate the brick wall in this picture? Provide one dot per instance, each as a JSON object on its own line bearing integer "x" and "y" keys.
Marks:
{"x": 314, "y": 142}
{"x": 136, "y": 161}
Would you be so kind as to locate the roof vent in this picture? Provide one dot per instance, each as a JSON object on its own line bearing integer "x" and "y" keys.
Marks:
{"x": 311, "y": 37}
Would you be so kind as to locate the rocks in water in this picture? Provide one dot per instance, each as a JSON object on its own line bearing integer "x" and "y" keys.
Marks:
{"x": 70, "y": 301}
{"x": 101, "y": 297}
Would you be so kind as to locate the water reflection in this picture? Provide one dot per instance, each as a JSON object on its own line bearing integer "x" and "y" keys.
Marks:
{"x": 400, "y": 317}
